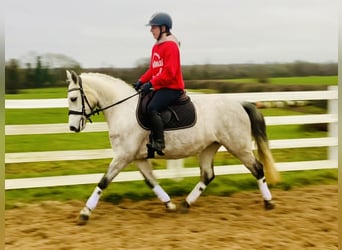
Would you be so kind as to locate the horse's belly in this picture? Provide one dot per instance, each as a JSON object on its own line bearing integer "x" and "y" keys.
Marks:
{"x": 187, "y": 142}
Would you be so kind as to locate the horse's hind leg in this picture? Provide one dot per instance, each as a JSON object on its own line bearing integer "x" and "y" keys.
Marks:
{"x": 146, "y": 170}
{"x": 207, "y": 175}
{"x": 257, "y": 170}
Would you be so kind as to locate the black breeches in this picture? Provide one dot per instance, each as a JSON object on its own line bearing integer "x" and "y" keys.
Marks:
{"x": 161, "y": 99}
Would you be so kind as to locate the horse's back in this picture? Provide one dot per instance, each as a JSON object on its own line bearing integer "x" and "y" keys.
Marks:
{"x": 223, "y": 120}
{"x": 219, "y": 107}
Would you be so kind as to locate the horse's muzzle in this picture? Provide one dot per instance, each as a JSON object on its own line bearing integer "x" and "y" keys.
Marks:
{"x": 73, "y": 128}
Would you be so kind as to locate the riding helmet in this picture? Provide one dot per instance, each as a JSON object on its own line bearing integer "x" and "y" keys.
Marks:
{"x": 160, "y": 19}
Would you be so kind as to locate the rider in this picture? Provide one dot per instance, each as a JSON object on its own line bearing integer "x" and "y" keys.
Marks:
{"x": 164, "y": 76}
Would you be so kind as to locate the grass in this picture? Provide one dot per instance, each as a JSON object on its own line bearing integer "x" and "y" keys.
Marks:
{"x": 50, "y": 142}
{"x": 36, "y": 116}
{"x": 306, "y": 80}
{"x": 39, "y": 93}
{"x": 314, "y": 80}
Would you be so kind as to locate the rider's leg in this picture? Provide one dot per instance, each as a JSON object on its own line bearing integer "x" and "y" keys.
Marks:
{"x": 157, "y": 128}
{"x": 160, "y": 101}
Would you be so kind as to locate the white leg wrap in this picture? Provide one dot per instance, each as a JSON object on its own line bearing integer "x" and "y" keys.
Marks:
{"x": 161, "y": 194}
{"x": 195, "y": 193}
{"x": 94, "y": 198}
{"x": 265, "y": 192}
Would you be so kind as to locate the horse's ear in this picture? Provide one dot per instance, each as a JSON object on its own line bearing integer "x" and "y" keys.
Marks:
{"x": 68, "y": 76}
{"x": 71, "y": 76}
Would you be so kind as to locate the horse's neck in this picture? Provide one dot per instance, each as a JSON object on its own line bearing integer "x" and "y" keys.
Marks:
{"x": 108, "y": 91}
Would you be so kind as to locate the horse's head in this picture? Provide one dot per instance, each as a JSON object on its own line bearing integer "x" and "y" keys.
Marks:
{"x": 79, "y": 106}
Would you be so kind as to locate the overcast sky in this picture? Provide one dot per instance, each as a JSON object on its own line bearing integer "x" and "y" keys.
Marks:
{"x": 113, "y": 32}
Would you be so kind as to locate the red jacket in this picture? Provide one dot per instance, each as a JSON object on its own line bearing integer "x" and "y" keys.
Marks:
{"x": 165, "y": 68}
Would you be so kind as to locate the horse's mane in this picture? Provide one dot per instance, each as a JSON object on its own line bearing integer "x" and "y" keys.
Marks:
{"x": 104, "y": 76}
{"x": 120, "y": 88}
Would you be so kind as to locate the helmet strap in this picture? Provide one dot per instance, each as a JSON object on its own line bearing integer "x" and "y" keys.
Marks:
{"x": 167, "y": 31}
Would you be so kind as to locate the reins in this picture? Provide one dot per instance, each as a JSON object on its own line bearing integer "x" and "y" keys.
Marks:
{"x": 96, "y": 110}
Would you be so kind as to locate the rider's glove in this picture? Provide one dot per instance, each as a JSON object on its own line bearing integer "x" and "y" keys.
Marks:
{"x": 137, "y": 85}
{"x": 146, "y": 88}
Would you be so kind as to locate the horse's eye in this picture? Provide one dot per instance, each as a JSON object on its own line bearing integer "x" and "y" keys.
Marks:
{"x": 73, "y": 99}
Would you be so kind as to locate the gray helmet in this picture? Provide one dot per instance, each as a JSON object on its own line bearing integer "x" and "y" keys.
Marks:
{"x": 159, "y": 19}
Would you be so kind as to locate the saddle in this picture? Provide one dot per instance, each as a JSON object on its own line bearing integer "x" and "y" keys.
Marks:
{"x": 181, "y": 114}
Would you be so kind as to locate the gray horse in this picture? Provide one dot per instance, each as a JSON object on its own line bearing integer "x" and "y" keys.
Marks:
{"x": 220, "y": 122}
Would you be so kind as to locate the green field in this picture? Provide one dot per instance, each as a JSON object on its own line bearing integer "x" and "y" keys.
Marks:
{"x": 307, "y": 80}
{"x": 42, "y": 93}
{"x": 223, "y": 185}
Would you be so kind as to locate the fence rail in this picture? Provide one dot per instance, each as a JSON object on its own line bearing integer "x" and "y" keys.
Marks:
{"x": 57, "y": 128}
{"x": 177, "y": 170}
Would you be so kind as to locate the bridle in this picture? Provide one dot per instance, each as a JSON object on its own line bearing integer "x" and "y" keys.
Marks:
{"x": 84, "y": 100}
{"x": 94, "y": 110}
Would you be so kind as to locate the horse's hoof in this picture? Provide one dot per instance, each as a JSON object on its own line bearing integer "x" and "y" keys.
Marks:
{"x": 185, "y": 207}
{"x": 82, "y": 219}
{"x": 170, "y": 206}
{"x": 269, "y": 205}
{"x": 84, "y": 216}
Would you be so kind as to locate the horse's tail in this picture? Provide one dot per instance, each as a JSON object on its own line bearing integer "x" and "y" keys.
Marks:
{"x": 258, "y": 126}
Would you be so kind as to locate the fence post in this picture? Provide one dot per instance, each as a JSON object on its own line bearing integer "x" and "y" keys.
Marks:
{"x": 333, "y": 126}
{"x": 176, "y": 166}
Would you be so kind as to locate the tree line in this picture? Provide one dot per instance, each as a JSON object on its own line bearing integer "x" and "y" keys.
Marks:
{"x": 40, "y": 74}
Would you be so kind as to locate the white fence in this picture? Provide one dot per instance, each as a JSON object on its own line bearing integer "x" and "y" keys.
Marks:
{"x": 174, "y": 169}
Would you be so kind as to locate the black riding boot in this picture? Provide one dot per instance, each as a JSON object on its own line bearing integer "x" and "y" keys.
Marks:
{"x": 157, "y": 129}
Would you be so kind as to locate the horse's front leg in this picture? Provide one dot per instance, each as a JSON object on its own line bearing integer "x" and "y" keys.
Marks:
{"x": 146, "y": 170}
{"x": 113, "y": 170}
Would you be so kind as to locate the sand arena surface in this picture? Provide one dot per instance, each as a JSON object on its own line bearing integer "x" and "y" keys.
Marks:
{"x": 304, "y": 218}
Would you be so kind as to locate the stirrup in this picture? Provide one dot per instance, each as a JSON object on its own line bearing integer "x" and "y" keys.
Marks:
{"x": 157, "y": 146}
{"x": 151, "y": 150}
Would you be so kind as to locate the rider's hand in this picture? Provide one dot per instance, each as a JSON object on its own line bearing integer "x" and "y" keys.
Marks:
{"x": 146, "y": 88}
{"x": 137, "y": 85}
